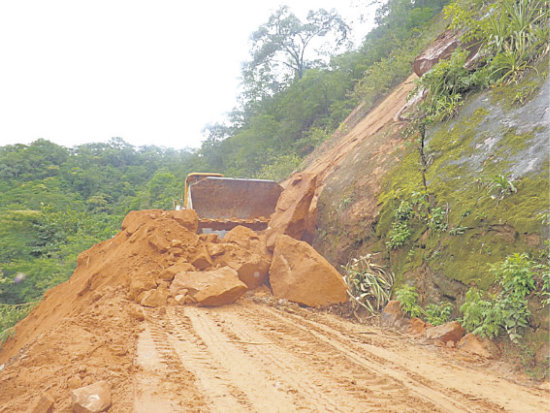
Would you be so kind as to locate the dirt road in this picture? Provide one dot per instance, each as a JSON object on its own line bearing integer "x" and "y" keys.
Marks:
{"x": 253, "y": 357}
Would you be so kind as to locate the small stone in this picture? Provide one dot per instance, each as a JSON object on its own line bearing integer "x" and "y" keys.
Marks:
{"x": 94, "y": 398}
{"x": 153, "y": 298}
{"x": 136, "y": 313}
{"x": 74, "y": 382}
{"x": 451, "y": 331}
{"x": 482, "y": 347}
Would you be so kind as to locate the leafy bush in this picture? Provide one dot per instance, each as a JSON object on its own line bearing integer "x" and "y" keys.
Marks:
{"x": 481, "y": 317}
{"x": 510, "y": 34}
{"x": 408, "y": 299}
{"x": 438, "y": 314}
{"x": 517, "y": 281}
{"x": 508, "y": 310}
{"x": 369, "y": 284}
{"x": 438, "y": 219}
{"x": 398, "y": 235}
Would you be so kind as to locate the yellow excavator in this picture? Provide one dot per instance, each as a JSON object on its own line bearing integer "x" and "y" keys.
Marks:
{"x": 223, "y": 203}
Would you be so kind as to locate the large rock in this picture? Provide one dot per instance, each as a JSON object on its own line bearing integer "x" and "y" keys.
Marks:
{"x": 418, "y": 327}
{"x": 482, "y": 347}
{"x": 292, "y": 211}
{"x": 251, "y": 267}
{"x": 140, "y": 283}
{"x": 153, "y": 298}
{"x": 300, "y": 274}
{"x": 187, "y": 218}
{"x": 441, "y": 48}
{"x": 209, "y": 288}
{"x": 451, "y": 331}
{"x": 245, "y": 238}
{"x": 169, "y": 273}
{"x": 136, "y": 219}
{"x": 94, "y": 398}
{"x": 392, "y": 315}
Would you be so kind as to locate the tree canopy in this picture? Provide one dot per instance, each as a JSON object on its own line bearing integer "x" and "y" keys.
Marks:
{"x": 280, "y": 46}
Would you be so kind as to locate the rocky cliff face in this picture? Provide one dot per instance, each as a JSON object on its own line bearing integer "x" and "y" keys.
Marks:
{"x": 486, "y": 174}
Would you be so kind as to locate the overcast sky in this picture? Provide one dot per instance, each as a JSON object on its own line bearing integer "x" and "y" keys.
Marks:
{"x": 153, "y": 72}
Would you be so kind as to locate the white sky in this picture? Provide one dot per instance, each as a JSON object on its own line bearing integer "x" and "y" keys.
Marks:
{"x": 152, "y": 72}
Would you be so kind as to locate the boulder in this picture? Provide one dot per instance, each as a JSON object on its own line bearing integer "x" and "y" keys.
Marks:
{"x": 482, "y": 347}
{"x": 292, "y": 211}
{"x": 441, "y": 48}
{"x": 242, "y": 236}
{"x": 153, "y": 298}
{"x": 94, "y": 398}
{"x": 169, "y": 273}
{"x": 451, "y": 331}
{"x": 187, "y": 218}
{"x": 252, "y": 268}
{"x": 201, "y": 260}
{"x": 140, "y": 283}
{"x": 209, "y": 288}
{"x": 44, "y": 404}
{"x": 299, "y": 273}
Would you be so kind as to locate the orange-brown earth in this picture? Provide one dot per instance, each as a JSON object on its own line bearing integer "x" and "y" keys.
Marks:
{"x": 117, "y": 319}
{"x": 129, "y": 316}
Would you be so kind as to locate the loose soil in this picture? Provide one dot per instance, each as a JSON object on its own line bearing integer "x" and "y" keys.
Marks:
{"x": 255, "y": 356}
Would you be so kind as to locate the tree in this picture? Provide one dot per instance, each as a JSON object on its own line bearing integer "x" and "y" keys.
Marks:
{"x": 279, "y": 48}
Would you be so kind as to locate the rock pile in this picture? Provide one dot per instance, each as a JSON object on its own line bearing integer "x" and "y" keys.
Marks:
{"x": 209, "y": 271}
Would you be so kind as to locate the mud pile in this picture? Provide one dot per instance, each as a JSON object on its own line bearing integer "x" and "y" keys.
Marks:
{"x": 84, "y": 330}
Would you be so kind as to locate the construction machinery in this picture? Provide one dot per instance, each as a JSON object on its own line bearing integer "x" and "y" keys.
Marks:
{"x": 223, "y": 203}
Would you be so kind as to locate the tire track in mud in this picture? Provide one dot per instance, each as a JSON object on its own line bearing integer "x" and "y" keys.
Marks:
{"x": 443, "y": 395}
{"x": 224, "y": 371}
{"x": 410, "y": 391}
{"x": 311, "y": 390}
{"x": 355, "y": 386}
{"x": 219, "y": 393}
{"x": 163, "y": 384}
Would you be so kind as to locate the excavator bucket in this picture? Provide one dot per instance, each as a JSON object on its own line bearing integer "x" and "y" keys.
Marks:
{"x": 223, "y": 203}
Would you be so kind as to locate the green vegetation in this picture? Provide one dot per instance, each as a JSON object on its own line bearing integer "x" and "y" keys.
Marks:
{"x": 369, "y": 284}
{"x": 509, "y": 35}
{"x": 57, "y": 202}
{"x": 508, "y": 311}
{"x": 408, "y": 299}
{"x": 290, "y": 105}
{"x": 435, "y": 314}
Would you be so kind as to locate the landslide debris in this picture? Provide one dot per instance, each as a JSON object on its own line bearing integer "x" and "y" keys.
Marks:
{"x": 84, "y": 331}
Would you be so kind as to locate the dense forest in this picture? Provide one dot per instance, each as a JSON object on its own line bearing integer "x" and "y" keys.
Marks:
{"x": 56, "y": 202}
